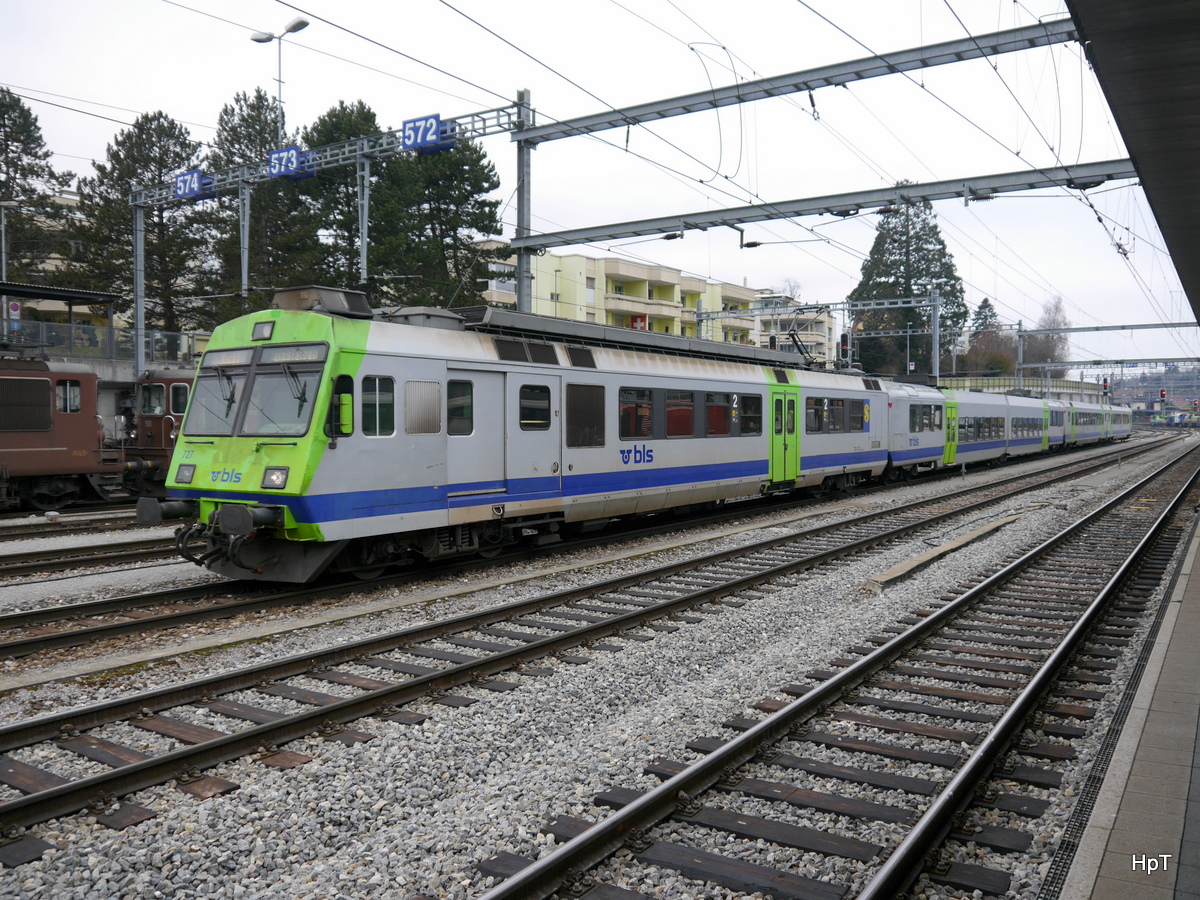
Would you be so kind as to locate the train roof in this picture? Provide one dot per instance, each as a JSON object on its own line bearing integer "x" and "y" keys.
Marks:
{"x": 529, "y": 326}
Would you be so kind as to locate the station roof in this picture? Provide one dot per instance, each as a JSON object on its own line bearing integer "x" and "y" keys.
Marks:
{"x": 1147, "y": 59}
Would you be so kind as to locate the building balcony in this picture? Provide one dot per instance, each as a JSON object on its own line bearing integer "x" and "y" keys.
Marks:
{"x": 640, "y": 306}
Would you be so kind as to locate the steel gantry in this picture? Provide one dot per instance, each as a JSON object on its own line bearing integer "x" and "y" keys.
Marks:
{"x": 519, "y": 120}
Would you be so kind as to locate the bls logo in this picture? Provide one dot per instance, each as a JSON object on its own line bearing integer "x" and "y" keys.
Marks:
{"x": 638, "y": 455}
{"x": 226, "y": 476}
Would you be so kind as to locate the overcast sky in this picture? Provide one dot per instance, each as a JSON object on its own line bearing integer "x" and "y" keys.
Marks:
{"x": 81, "y": 64}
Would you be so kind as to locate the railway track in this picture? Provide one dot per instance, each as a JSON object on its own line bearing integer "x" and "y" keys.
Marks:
{"x": 983, "y": 694}
{"x": 433, "y": 658}
{"x": 52, "y": 525}
{"x": 39, "y": 562}
{"x": 28, "y": 632}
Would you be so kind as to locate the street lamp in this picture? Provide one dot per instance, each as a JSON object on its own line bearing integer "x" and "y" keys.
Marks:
{"x": 5, "y": 205}
{"x": 265, "y": 37}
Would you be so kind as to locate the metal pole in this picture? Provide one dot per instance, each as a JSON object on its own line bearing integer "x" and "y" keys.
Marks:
{"x": 4, "y": 265}
{"x": 524, "y": 153}
{"x": 244, "y": 215}
{"x": 1021, "y": 359}
{"x": 139, "y": 284}
{"x": 935, "y": 298}
{"x": 364, "y": 206}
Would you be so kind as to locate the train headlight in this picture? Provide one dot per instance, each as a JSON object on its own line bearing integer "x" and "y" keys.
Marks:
{"x": 185, "y": 473}
{"x": 275, "y": 478}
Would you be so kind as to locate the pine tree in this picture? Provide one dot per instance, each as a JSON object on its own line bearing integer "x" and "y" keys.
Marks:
{"x": 908, "y": 259}
{"x": 153, "y": 150}
{"x": 34, "y": 228}
{"x": 992, "y": 351}
{"x": 283, "y": 244}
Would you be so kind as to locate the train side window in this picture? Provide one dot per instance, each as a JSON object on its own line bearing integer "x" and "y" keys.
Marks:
{"x": 585, "y": 415}
{"x": 791, "y": 416}
{"x": 422, "y": 407}
{"x": 681, "y": 414}
{"x": 718, "y": 415}
{"x": 935, "y": 418}
{"x": 835, "y": 416}
{"x": 751, "y": 418}
{"x": 460, "y": 407}
{"x": 778, "y": 415}
{"x": 179, "y": 398}
{"x": 814, "y": 415}
{"x": 68, "y": 396}
{"x": 154, "y": 399}
{"x": 534, "y": 404}
{"x": 857, "y": 418}
{"x": 635, "y": 412}
{"x": 378, "y": 405}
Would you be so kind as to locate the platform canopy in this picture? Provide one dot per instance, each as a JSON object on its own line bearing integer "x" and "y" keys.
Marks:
{"x": 1147, "y": 59}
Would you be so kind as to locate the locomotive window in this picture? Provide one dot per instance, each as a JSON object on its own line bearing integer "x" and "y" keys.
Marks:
{"x": 68, "y": 396}
{"x": 25, "y": 404}
{"x": 281, "y": 402}
{"x": 343, "y": 386}
{"x": 681, "y": 414}
{"x": 534, "y": 402}
{"x": 217, "y": 396}
{"x": 179, "y": 399}
{"x": 154, "y": 399}
{"x": 422, "y": 407}
{"x": 751, "y": 417}
{"x": 718, "y": 417}
{"x": 460, "y": 407}
{"x": 585, "y": 415}
{"x": 636, "y": 417}
{"x": 378, "y": 405}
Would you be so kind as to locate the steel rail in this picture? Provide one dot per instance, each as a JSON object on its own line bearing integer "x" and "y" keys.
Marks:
{"x": 73, "y": 796}
{"x": 543, "y": 877}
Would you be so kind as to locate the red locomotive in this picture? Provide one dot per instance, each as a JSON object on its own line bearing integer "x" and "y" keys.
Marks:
{"x": 54, "y": 446}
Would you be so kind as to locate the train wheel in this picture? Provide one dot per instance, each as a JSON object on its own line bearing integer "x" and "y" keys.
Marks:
{"x": 50, "y": 502}
{"x": 367, "y": 574}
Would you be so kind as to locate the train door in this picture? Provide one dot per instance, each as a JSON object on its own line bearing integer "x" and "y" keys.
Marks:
{"x": 785, "y": 435}
{"x": 474, "y": 429}
{"x": 951, "y": 443}
{"x": 1045, "y": 426}
{"x": 533, "y": 433}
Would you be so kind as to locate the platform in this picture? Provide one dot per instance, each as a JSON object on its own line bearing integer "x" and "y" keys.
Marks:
{"x": 1142, "y": 841}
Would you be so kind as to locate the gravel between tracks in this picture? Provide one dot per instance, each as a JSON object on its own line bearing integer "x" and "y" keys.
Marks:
{"x": 417, "y": 808}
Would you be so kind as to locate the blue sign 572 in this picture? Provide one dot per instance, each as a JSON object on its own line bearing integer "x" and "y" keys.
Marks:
{"x": 423, "y": 132}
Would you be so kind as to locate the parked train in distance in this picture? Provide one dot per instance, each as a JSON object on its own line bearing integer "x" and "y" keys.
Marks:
{"x": 55, "y": 448}
{"x": 324, "y": 435}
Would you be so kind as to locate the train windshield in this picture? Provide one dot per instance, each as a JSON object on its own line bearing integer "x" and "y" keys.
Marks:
{"x": 269, "y": 390}
{"x": 215, "y": 402}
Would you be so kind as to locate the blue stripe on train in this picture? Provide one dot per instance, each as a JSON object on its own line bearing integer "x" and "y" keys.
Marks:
{"x": 400, "y": 501}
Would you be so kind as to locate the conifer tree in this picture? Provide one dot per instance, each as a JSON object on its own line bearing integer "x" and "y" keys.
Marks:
{"x": 152, "y": 151}
{"x": 34, "y": 228}
{"x": 908, "y": 259}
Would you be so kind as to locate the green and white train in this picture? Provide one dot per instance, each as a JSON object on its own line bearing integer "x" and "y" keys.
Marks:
{"x": 323, "y": 435}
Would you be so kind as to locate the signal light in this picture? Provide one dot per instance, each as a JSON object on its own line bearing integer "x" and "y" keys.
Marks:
{"x": 1195, "y": 403}
{"x": 1162, "y": 395}
{"x": 844, "y": 346}
{"x": 773, "y": 342}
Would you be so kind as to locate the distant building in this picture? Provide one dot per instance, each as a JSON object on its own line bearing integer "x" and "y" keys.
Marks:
{"x": 625, "y": 294}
